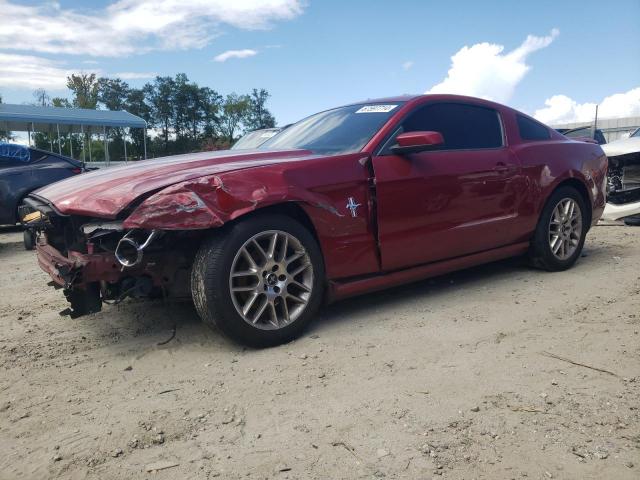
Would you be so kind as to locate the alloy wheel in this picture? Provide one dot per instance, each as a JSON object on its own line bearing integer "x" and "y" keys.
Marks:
{"x": 565, "y": 228}
{"x": 271, "y": 280}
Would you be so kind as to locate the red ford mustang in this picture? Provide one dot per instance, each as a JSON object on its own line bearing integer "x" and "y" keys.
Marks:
{"x": 347, "y": 201}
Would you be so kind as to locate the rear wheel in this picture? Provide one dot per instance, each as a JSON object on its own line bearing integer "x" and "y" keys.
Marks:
{"x": 561, "y": 231}
{"x": 259, "y": 281}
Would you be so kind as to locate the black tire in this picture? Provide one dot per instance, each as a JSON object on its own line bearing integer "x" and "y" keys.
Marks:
{"x": 28, "y": 239}
{"x": 210, "y": 280}
{"x": 632, "y": 221}
{"x": 540, "y": 252}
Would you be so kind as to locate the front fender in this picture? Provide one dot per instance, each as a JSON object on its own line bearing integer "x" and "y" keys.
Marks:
{"x": 211, "y": 201}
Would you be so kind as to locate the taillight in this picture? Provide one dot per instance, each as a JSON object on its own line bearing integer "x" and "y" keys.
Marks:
{"x": 76, "y": 170}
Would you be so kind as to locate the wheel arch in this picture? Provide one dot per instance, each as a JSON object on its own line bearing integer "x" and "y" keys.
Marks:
{"x": 292, "y": 209}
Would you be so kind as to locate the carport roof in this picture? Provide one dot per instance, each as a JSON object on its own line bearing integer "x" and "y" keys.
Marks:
{"x": 22, "y": 117}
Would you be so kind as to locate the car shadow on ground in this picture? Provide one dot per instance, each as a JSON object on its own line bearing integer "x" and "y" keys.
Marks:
{"x": 154, "y": 321}
{"x": 10, "y": 229}
{"x": 432, "y": 288}
{"x": 455, "y": 282}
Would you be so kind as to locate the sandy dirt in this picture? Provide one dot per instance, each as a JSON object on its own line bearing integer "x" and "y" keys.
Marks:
{"x": 445, "y": 378}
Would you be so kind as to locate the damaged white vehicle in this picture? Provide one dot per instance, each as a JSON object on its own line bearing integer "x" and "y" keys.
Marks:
{"x": 623, "y": 199}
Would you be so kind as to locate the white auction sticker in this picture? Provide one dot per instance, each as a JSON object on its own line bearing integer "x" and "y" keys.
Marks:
{"x": 376, "y": 108}
{"x": 268, "y": 134}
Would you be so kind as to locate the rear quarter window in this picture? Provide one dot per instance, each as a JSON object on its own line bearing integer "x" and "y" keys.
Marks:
{"x": 531, "y": 130}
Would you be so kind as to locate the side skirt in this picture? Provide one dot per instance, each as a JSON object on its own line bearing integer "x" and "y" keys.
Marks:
{"x": 348, "y": 288}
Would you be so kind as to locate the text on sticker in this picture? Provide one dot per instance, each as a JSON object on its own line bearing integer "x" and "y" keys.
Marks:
{"x": 376, "y": 108}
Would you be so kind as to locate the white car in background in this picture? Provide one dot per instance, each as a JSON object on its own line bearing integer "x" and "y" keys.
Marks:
{"x": 623, "y": 201}
{"x": 254, "y": 139}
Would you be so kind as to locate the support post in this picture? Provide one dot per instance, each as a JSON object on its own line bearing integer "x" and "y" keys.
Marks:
{"x": 29, "y": 135}
{"x": 145, "y": 142}
{"x": 89, "y": 144}
{"x": 71, "y": 140}
{"x": 106, "y": 146}
{"x": 59, "y": 144}
{"x": 83, "y": 139}
{"x": 124, "y": 137}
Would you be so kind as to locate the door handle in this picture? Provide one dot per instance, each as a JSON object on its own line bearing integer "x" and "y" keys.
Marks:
{"x": 501, "y": 167}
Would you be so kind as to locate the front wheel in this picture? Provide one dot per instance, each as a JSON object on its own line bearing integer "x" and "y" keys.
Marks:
{"x": 28, "y": 239}
{"x": 633, "y": 221}
{"x": 561, "y": 231}
{"x": 260, "y": 281}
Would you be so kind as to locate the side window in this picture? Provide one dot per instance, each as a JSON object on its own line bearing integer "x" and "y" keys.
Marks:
{"x": 462, "y": 126}
{"x": 532, "y": 130}
{"x": 6, "y": 162}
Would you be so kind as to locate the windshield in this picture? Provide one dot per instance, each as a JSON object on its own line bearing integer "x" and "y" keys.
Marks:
{"x": 341, "y": 130}
{"x": 254, "y": 139}
{"x": 578, "y": 132}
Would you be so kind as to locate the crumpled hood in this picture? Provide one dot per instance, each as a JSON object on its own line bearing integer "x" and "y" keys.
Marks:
{"x": 106, "y": 192}
{"x": 622, "y": 147}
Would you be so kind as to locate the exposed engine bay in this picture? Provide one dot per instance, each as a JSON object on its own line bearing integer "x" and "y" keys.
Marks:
{"x": 623, "y": 196}
{"x": 98, "y": 261}
{"x": 624, "y": 172}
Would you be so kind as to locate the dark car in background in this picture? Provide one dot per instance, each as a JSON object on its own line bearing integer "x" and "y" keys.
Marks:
{"x": 23, "y": 170}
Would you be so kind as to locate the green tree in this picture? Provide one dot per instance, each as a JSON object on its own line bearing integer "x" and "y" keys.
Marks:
{"x": 41, "y": 97}
{"x": 211, "y": 108}
{"x": 61, "y": 102}
{"x": 161, "y": 99}
{"x": 234, "y": 110}
{"x": 180, "y": 105}
{"x": 195, "y": 109}
{"x": 42, "y": 140}
{"x": 84, "y": 88}
{"x": 4, "y": 134}
{"x": 113, "y": 93}
{"x": 258, "y": 115}
{"x": 136, "y": 104}
{"x": 68, "y": 141}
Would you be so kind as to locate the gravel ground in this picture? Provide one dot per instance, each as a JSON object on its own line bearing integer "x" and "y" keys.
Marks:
{"x": 464, "y": 376}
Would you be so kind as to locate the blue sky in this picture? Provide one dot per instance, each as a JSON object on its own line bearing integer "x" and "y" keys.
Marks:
{"x": 315, "y": 54}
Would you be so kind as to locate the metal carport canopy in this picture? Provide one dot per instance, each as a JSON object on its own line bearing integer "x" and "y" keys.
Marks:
{"x": 33, "y": 118}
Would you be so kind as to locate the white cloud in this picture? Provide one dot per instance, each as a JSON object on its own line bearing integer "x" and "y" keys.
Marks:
{"x": 483, "y": 70}
{"x": 31, "y": 72}
{"x": 133, "y": 75}
{"x": 562, "y": 109}
{"x": 25, "y": 71}
{"x": 126, "y": 27}
{"x": 407, "y": 65}
{"x": 223, "y": 57}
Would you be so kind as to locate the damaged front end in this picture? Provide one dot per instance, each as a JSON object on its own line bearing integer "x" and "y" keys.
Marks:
{"x": 623, "y": 196}
{"x": 95, "y": 260}
{"x": 624, "y": 172}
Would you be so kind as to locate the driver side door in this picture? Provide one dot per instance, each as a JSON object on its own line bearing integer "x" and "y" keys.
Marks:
{"x": 457, "y": 199}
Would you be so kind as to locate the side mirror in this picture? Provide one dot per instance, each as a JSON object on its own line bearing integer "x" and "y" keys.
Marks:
{"x": 412, "y": 142}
